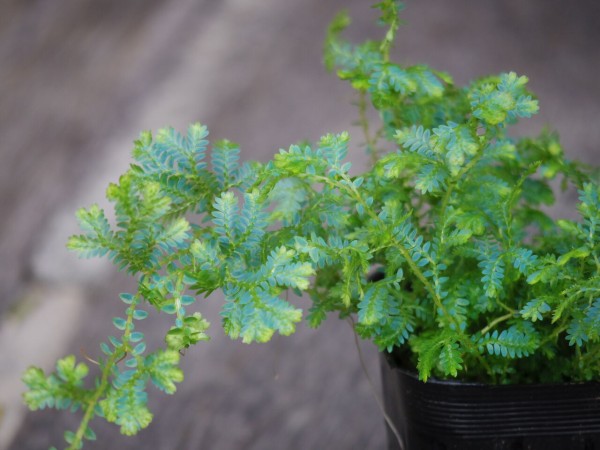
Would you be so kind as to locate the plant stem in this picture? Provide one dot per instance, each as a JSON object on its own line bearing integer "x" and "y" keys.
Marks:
{"x": 496, "y": 321}
{"x": 115, "y": 358}
{"x": 89, "y": 411}
{"x": 371, "y": 141}
{"x": 378, "y": 400}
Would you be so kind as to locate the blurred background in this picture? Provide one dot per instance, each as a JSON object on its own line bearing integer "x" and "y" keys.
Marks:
{"x": 80, "y": 79}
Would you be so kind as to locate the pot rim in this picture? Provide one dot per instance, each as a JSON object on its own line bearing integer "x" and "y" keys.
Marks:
{"x": 412, "y": 373}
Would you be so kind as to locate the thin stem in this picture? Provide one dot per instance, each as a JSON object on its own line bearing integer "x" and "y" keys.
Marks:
{"x": 89, "y": 411}
{"x": 496, "y": 321}
{"x": 114, "y": 359}
{"x": 390, "y": 36}
{"x": 506, "y": 307}
{"x": 371, "y": 141}
{"x": 378, "y": 400}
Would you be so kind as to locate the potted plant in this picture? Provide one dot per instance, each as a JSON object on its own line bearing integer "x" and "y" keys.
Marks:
{"x": 440, "y": 253}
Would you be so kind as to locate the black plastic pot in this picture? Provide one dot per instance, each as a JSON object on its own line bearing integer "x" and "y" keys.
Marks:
{"x": 448, "y": 415}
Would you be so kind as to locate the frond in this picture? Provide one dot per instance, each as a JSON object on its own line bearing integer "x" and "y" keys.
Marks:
{"x": 225, "y": 157}
{"x": 509, "y": 343}
{"x": 491, "y": 263}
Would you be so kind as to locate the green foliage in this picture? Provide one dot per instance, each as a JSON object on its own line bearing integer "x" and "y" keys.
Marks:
{"x": 511, "y": 343}
{"x": 502, "y": 99}
{"x": 61, "y": 389}
{"x": 474, "y": 279}
{"x": 191, "y": 331}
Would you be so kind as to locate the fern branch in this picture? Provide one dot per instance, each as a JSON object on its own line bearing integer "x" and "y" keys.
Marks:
{"x": 100, "y": 389}
{"x": 456, "y": 180}
{"x": 347, "y": 185}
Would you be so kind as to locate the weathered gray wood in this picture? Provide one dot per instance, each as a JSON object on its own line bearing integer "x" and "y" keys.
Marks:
{"x": 78, "y": 80}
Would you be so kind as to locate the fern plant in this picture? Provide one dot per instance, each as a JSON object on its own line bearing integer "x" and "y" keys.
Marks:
{"x": 475, "y": 280}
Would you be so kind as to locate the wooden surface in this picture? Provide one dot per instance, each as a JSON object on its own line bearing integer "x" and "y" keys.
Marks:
{"x": 80, "y": 79}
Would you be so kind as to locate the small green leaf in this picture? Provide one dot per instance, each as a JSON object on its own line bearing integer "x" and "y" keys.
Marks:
{"x": 139, "y": 349}
{"x": 105, "y": 349}
{"x": 89, "y": 434}
{"x": 140, "y": 314}
{"x": 136, "y": 336}
{"x": 119, "y": 323}
{"x": 70, "y": 437}
{"x": 115, "y": 342}
{"x": 187, "y": 300}
{"x": 126, "y": 298}
{"x": 577, "y": 253}
{"x": 169, "y": 309}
